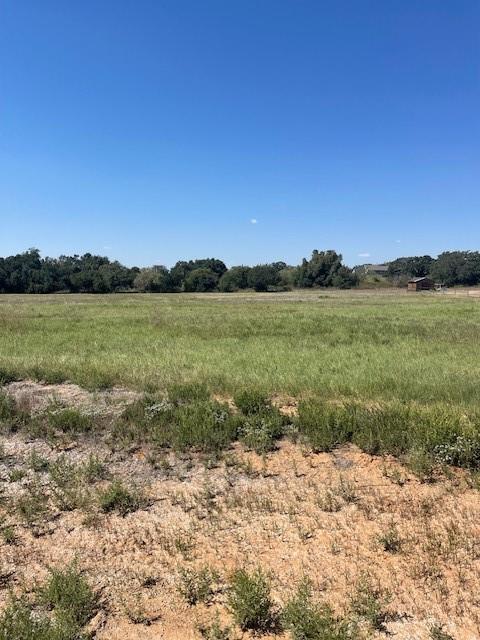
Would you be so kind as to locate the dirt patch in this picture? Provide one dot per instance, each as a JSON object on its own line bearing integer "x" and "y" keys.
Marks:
{"x": 36, "y": 396}
{"x": 292, "y": 512}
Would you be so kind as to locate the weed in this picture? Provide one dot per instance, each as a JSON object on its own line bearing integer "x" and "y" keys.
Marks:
{"x": 391, "y": 540}
{"x": 197, "y": 586}
{"x": 437, "y": 633}
{"x": 307, "y": 620}
{"x": 215, "y": 631}
{"x": 259, "y": 431}
{"x": 347, "y": 491}
{"x": 93, "y": 470}
{"x": 18, "y": 622}
{"x": 17, "y": 474}
{"x": 116, "y": 497}
{"x": 69, "y": 595}
{"x": 32, "y": 505}
{"x": 37, "y": 463}
{"x": 65, "y": 482}
{"x": 69, "y": 421}
{"x": 251, "y": 402}
{"x": 250, "y": 601}
{"x": 328, "y": 502}
{"x": 8, "y": 535}
{"x": 368, "y": 603}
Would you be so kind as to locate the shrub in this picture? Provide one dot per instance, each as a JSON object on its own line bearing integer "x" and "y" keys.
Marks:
{"x": 93, "y": 469}
{"x": 260, "y": 431}
{"x": 251, "y": 402}
{"x": 309, "y": 621}
{"x": 368, "y": 603}
{"x": 437, "y": 633}
{"x": 69, "y": 421}
{"x": 8, "y": 535}
{"x": 118, "y": 498}
{"x": 69, "y": 595}
{"x": 66, "y": 487}
{"x": 325, "y": 426}
{"x": 391, "y": 540}
{"x": 206, "y": 426}
{"x": 250, "y": 601}
{"x": 17, "y": 622}
{"x": 32, "y": 505}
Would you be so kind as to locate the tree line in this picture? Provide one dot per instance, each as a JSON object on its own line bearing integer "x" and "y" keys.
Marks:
{"x": 450, "y": 268}
{"x": 28, "y": 272}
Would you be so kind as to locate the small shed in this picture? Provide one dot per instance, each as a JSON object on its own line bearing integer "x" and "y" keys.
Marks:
{"x": 420, "y": 284}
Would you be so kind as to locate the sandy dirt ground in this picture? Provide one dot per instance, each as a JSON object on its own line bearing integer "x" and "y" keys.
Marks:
{"x": 293, "y": 513}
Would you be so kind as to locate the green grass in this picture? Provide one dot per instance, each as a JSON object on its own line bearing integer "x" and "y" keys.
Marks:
{"x": 351, "y": 345}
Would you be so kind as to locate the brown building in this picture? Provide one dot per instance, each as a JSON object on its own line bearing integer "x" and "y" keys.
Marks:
{"x": 420, "y": 284}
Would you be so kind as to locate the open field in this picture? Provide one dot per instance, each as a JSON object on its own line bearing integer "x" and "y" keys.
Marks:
{"x": 301, "y": 466}
{"x": 365, "y": 345}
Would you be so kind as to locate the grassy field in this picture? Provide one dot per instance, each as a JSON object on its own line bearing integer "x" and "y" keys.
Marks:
{"x": 362, "y": 345}
{"x": 185, "y": 514}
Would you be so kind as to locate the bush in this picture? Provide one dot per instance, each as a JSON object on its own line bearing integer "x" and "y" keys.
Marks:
{"x": 368, "y": 603}
{"x": 17, "y": 622}
{"x": 260, "y": 431}
{"x": 309, "y": 621}
{"x": 69, "y": 595}
{"x": 205, "y": 426}
{"x": 118, "y": 498}
{"x": 325, "y": 426}
{"x": 250, "y": 601}
{"x": 250, "y": 402}
{"x": 69, "y": 421}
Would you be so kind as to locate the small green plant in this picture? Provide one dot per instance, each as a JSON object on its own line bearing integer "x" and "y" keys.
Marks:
{"x": 37, "y": 463}
{"x": 215, "y": 631}
{"x": 116, "y": 497}
{"x": 18, "y": 622}
{"x": 17, "y": 474}
{"x": 422, "y": 464}
{"x": 197, "y": 586}
{"x": 391, "y": 540}
{"x": 437, "y": 633}
{"x": 68, "y": 594}
{"x": 328, "y": 502}
{"x": 259, "y": 431}
{"x": 67, "y": 490}
{"x": 93, "y": 470}
{"x": 32, "y": 505}
{"x": 250, "y": 601}
{"x": 368, "y": 603}
{"x": 251, "y": 402}
{"x": 69, "y": 421}
{"x": 8, "y": 534}
{"x": 307, "y": 620}
{"x": 347, "y": 491}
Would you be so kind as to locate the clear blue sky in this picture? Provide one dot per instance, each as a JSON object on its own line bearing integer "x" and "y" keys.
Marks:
{"x": 154, "y": 130}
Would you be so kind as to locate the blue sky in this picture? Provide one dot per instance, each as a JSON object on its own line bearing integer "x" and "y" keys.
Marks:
{"x": 249, "y": 130}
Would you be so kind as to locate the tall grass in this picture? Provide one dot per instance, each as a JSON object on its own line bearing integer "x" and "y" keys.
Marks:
{"x": 368, "y": 346}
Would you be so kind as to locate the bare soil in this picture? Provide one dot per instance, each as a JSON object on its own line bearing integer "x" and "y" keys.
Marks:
{"x": 292, "y": 512}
